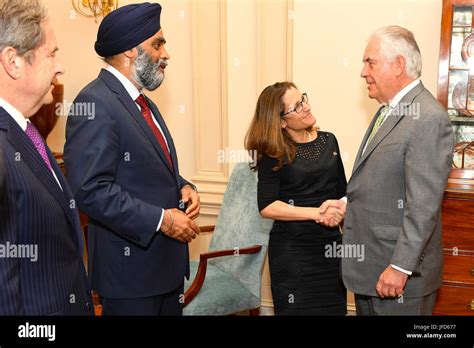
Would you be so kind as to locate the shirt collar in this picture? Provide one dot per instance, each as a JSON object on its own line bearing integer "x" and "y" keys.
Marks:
{"x": 127, "y": 84}
{"x": 394, "y": 102}
{"x": 13, "y": 112}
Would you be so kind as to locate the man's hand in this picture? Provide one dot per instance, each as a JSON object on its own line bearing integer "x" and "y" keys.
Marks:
{"x": 332, "y": 217}
{"x": 192, "y": 201}
{"x": 180, "y": 226}
{"x": 328, "y": 216}
{"x": 391, "y": 283}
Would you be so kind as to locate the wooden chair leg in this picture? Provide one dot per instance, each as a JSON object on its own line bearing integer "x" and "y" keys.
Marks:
{"x": 97, "y": 305}
{"x": 254, "y": 312}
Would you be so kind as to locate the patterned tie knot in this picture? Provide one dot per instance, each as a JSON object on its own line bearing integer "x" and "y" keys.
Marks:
{"x": 378, "y": 122}
{"x": 141, "y": 101}
{"x": 385, "y": 109}
{"x": 38, "y": 142}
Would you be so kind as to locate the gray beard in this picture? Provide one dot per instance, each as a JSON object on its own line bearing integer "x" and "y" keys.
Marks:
{"x": 146, "y": 73}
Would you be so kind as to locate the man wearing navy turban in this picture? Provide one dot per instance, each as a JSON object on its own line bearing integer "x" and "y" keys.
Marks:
{"x": 123, "y": 169}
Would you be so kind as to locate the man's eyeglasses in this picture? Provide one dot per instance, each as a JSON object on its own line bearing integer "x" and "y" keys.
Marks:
{"x": 298, "y": 106}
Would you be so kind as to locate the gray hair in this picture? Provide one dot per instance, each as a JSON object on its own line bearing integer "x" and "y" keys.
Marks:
{"x": 397, "y": 41}
{"x": 20, "y": 26}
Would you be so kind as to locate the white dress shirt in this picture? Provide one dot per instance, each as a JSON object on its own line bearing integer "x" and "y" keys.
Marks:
{"x": 22, "y": 122}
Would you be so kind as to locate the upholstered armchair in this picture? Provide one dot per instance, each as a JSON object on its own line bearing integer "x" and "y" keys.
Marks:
{"x": 227, "y": 278}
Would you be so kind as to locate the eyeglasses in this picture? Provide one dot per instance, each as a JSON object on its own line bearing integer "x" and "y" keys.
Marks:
{"x": 298, "y": 106}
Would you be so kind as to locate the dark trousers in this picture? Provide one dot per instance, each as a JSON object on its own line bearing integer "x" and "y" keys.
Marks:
{"x": 368, "y": 305}
{"x": 165, "y": 304}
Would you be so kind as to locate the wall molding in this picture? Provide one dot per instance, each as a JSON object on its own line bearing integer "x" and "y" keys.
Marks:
{"x": 209, "y": 34}
{"x": 211, "y": 193}
{"x": 274, "y": 55}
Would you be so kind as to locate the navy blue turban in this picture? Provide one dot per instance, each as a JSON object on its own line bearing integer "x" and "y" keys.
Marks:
{"x": 127, "y": 27}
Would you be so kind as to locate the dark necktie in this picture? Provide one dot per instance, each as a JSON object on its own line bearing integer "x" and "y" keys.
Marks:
{"x": 38, "y": 142}
{"x": 146, "y": 112}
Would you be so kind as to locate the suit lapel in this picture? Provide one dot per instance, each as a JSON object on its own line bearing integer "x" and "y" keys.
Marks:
{"x": 125, "y": 99}
{"x": 390, "y": 123}
{"x": 167, "y": 135}
{"x": 30, "y": 156}
{"x": 366, "y": 137}
{"x": 69, "y": 198}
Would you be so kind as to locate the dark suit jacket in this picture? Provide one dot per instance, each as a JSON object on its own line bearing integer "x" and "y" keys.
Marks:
{"x": 121, "y": 179}
{"x": 35, "y": 211}
{"x": 2, "y": 173}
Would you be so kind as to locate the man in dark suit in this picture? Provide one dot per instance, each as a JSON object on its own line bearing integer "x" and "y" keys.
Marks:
{"x": 2, "y": 173}
{"x": 397, "y": 185}
{"x": 41, "y": 266}
{"x": 122, "y": 166}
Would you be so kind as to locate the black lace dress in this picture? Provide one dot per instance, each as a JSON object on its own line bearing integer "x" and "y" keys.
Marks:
{"x": 305, "y": 278}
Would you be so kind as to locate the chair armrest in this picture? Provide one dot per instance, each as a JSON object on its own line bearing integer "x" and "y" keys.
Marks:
{"x": 198, "y": 281}
{"x": 209, "y": 228}
{"x": 229, "y": 252}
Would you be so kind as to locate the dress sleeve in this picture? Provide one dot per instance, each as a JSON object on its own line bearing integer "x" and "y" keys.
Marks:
{"x": 268, "y": 182}
{"x": 341, "y": 175}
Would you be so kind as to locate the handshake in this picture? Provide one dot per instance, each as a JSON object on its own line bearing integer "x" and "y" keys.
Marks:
{"x": 331, "y": 213}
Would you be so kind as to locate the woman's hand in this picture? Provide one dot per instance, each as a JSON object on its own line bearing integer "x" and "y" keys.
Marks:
{"x": 331, "y": 213}
{"x": 331, "y": 217}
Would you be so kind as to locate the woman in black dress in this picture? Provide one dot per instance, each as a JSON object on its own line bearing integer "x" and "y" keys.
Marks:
{"x": 298, "y": 169}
